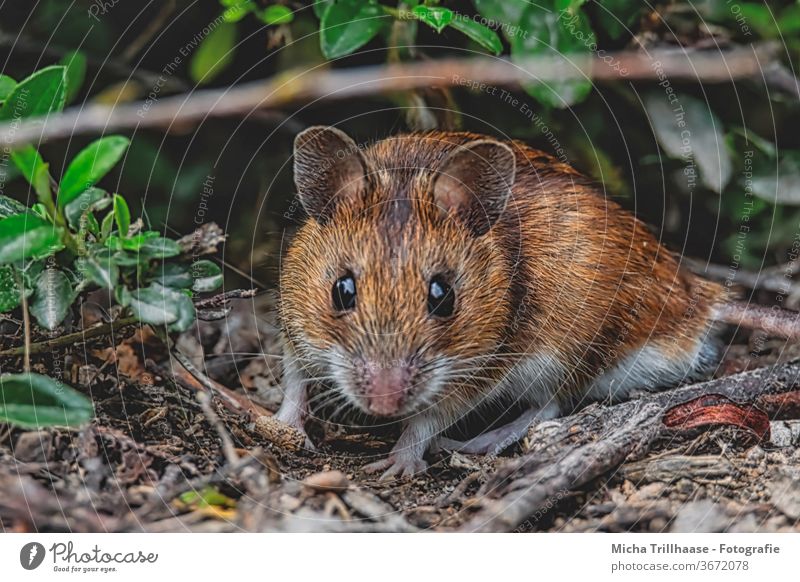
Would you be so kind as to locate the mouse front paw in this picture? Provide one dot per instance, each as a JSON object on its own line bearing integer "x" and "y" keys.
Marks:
{"x": 397, "y": 465}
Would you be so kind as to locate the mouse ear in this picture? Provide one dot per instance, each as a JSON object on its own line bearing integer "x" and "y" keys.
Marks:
{"x": 328, "y": 167}
{"x": 474, "y": 182}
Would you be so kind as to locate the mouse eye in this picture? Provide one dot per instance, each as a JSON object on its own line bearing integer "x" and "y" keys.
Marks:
{"x": 344, "y": 293}
{"x": 441, "y": 298}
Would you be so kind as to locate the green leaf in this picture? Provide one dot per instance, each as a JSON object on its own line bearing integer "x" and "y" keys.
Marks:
{"x": 40, "y": 210}
{"x": 52, "y": 298}
{"x": 122, "y": 215}
{"x": 207, "y": 276}
{"x": 779, "y": 185}
{"x": 508, "y": 12}
{"x": 347, "y": 25}
{"x": 320, "y": 6}
{"x": 34, "y": 401}
{"x": 9, "y": 289}
{"x": 87, "y": 201}
{"x": 160, "y": 248}
{"x": 75, "y": 63}
{"x": 617, "y": 17}
{"x": 434, "y": 16}
{"x": 214, "y": 54}
{"x": 9, "y": 206}
{"x": 484, "y": 36}
{"x": 90, "y": 165}
{"x": 27, "y": 235}
{"x": 237, "y": 10}
{"x": 99, "y": 268}
{"x": 175, "y": 275}
{"x": 160, "y": 305}
{"x": 688, "y": 130}
{"x": 127, "y": 259}
{"x": 7, "y": 85}
{"x": 35, "y": 171}
{"x": 148, "y": 243}
{"x": 564, "y": 37}
{"x": 276, "y": 14}
{"x": 106, "y": 226}
{"x": 40, "y": 94}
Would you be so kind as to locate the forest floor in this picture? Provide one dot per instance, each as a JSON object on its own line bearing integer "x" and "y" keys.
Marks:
{"x": 162, "y": 455}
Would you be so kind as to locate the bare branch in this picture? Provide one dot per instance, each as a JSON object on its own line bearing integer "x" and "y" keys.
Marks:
{"x": 308, "y": 85}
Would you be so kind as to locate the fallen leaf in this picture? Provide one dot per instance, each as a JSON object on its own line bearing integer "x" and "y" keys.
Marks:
{"x": 715, "y": 409}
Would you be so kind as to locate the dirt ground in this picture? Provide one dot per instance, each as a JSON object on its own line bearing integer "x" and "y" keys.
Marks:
{"x": 162, "y": 457}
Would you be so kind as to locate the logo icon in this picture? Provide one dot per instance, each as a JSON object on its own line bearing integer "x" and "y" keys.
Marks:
{"x": 31, "y": 555}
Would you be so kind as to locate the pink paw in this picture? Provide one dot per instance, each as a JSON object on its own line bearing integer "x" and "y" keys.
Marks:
{"x": 397, "y": 464}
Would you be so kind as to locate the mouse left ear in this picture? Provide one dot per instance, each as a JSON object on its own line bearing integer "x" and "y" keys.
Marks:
{"x": 328, "y": 168}
{"x": 474, "y": 182}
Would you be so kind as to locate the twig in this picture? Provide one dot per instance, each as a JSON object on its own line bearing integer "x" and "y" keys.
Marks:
{"x": 307, "y": 85}
{"x": 235, "y": 402}
{"x": 776, "y": 279}
{"x": 71, "y": 338}
{"x": 221, "y": 299}
{"x": 227, "y": 444}
{"x": 147, "y": 34}
{"x": 595, "y": 442}
{"x": 26, "y": 324}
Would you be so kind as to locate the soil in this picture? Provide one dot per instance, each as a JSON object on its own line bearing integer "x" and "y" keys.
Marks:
{"x": 154, "y": 458}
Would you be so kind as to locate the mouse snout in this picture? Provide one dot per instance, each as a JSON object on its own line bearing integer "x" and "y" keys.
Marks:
{"x": 386, "y": 389}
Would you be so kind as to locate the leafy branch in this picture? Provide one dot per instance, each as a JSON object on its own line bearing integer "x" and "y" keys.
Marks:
{"x": 78, "y": 238}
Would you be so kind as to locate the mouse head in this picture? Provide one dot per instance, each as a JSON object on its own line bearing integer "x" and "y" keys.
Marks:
{"x": 397, "y": 287}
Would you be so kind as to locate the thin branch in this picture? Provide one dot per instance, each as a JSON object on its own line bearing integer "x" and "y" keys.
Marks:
{"x": 304, "y": 85}
{"x": 70, "y": 338}
{"x": 228, "y": 449}
{"x": 150, "y": 31}
{"x": 570, "y": 452}
{"x": 26, "y": 323}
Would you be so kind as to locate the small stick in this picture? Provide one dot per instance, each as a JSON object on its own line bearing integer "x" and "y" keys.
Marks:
{"x": 227, "y": 443}
{"x": 774, "y": 320}
{"x": 221, "y": 299}
{"x": 301, "y": 85}
{"x": 26, "y": 324}
{"x": 70, "y": 338}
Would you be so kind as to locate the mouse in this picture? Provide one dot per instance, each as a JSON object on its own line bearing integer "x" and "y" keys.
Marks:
{"x": 439, "y": 273}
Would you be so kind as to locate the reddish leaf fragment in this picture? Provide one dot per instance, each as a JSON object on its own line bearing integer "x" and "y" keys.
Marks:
{"x": 715, "y": 409}
{"x": 784, "y": 406}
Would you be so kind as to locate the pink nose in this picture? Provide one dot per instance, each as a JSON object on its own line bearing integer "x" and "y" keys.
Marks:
{"x": 386, "y": 390}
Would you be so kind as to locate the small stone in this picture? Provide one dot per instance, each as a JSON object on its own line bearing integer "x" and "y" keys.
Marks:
{"x": 327, "y": 481}
{"x": 701, "y": 517}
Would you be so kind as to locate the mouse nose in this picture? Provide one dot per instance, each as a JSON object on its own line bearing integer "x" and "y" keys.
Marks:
{"x": 386, "y": 390}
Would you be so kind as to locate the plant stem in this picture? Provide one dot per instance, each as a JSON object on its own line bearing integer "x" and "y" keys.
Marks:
{"x": 26, "y": 323}
{"x": 70, "y": 338}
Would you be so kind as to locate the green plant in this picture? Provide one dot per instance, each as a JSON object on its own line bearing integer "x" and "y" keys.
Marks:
{"x": 78, "y": 238}
{"x": 559, "y": 29}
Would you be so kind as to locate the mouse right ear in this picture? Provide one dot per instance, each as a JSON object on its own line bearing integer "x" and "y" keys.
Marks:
{"x": 328, "y": 168}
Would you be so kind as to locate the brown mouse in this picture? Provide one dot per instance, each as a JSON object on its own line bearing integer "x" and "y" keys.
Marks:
{"x": 439, "y": 272}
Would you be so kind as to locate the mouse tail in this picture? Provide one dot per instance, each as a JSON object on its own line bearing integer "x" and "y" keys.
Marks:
{"x": 774, "y": 320}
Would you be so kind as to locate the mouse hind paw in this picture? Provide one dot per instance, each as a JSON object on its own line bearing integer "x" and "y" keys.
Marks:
{"x": 397, "y": 465}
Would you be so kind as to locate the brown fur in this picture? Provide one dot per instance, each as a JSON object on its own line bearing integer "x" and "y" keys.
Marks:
{"x": 564, "y": 269}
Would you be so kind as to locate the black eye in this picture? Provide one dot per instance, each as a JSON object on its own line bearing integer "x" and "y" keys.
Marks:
{"x": 344, "y": 293}
{"x": 441, "y": 298}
